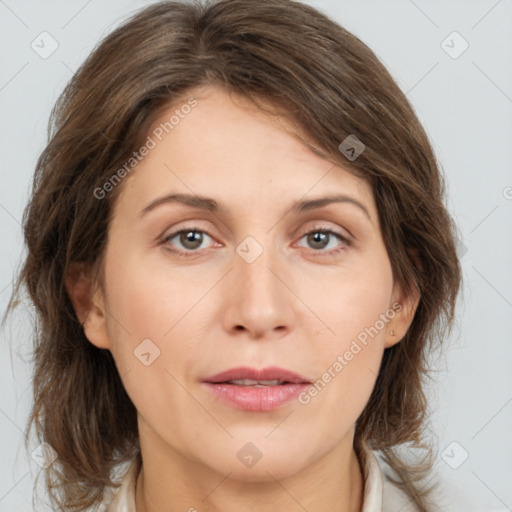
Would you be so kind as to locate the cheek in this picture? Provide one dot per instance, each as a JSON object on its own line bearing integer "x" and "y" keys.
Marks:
{"x": 146, "y": 299}
{"x": 147, "y": 323}
{"x": 352, "y": 304}
{"x": 355, "y": 308}
{"x": 156, "y": 326}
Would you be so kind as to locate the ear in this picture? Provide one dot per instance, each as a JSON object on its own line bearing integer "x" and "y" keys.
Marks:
{"x": 405, "y": 306}
{"x": 88, "y": 304}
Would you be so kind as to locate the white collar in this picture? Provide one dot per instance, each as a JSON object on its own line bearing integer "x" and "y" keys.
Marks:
{"x": 373, "y": 486}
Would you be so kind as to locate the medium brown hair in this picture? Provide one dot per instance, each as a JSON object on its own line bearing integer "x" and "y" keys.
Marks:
{"x": 331, "y": 85}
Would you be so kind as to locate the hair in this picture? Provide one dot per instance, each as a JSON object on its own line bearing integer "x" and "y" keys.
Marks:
{"x": 331, "y": 85}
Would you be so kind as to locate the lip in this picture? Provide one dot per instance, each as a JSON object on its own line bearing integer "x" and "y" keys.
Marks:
{"x": 269, "y": 373}
{"x": 249, "y": 398}
{"x": 255, "y": 399}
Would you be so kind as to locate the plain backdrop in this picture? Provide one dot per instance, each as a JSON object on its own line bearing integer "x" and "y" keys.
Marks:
{"x": 454, "y": 61}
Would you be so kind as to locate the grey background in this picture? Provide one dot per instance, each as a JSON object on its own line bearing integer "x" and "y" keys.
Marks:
{"x": 465, "y": 103}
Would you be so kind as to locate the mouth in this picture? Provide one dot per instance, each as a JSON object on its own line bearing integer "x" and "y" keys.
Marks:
{"x": 255, "y": 390}
{"x": 246, "y": 376}
{"x": 254, "y": 383}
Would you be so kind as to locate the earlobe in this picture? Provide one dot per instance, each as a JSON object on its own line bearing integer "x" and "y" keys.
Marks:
{"x": 391, "y": 338}
{"x": 88, "y": 305}
{"x": 399, "y": 325}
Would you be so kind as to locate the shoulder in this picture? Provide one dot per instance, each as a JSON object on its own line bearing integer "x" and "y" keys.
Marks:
{"x": 122, "y": 497}
{"x": 381, "y": 494}
{"x": 394, "y": 499}
{"x": 443, "y": 496}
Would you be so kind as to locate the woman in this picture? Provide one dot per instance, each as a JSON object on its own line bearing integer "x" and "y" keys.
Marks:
{"x": 240, "y": 258}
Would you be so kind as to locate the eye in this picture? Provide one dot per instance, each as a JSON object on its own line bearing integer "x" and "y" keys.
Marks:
{"x": 320, "y": 237}
{"x": 190, "y": 238}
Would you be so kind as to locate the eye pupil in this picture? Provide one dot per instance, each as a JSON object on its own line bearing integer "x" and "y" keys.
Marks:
{"x": 191, "y": 236}
{"x": 319, "y": 237}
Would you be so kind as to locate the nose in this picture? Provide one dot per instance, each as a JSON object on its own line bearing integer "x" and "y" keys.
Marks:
{"x": 258, "y": 300}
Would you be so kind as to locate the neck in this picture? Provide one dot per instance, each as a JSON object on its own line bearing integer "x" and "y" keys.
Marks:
{"x": 333, "y": 483}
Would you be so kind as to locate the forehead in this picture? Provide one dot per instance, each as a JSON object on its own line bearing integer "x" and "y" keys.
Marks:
{"x": 225, "y": 146}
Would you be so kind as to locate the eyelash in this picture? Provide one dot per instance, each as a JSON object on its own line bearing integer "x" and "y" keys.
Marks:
{"x": 316, "y": 229}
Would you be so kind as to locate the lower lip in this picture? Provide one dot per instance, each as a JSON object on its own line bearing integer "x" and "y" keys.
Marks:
{"x": 250, "y": 398}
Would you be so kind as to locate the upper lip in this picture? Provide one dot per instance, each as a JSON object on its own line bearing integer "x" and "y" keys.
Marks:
{"x": 269, "y": 373}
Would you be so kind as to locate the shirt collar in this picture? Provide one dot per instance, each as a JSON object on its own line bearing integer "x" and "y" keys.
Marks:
{"x": 373, "y": 486}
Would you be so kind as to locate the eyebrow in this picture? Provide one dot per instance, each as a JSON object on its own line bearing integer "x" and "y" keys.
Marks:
{"x": 211, "y": 205}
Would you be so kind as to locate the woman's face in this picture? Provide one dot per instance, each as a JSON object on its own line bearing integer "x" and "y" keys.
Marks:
{"x": 260, "y": 283}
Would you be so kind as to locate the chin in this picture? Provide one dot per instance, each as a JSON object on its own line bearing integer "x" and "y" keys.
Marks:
{"x": 260, "y": 473}
{"x": 246, "y": 464}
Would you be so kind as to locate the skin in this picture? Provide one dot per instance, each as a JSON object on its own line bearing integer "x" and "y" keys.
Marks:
{"x": 295, "y": 306}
